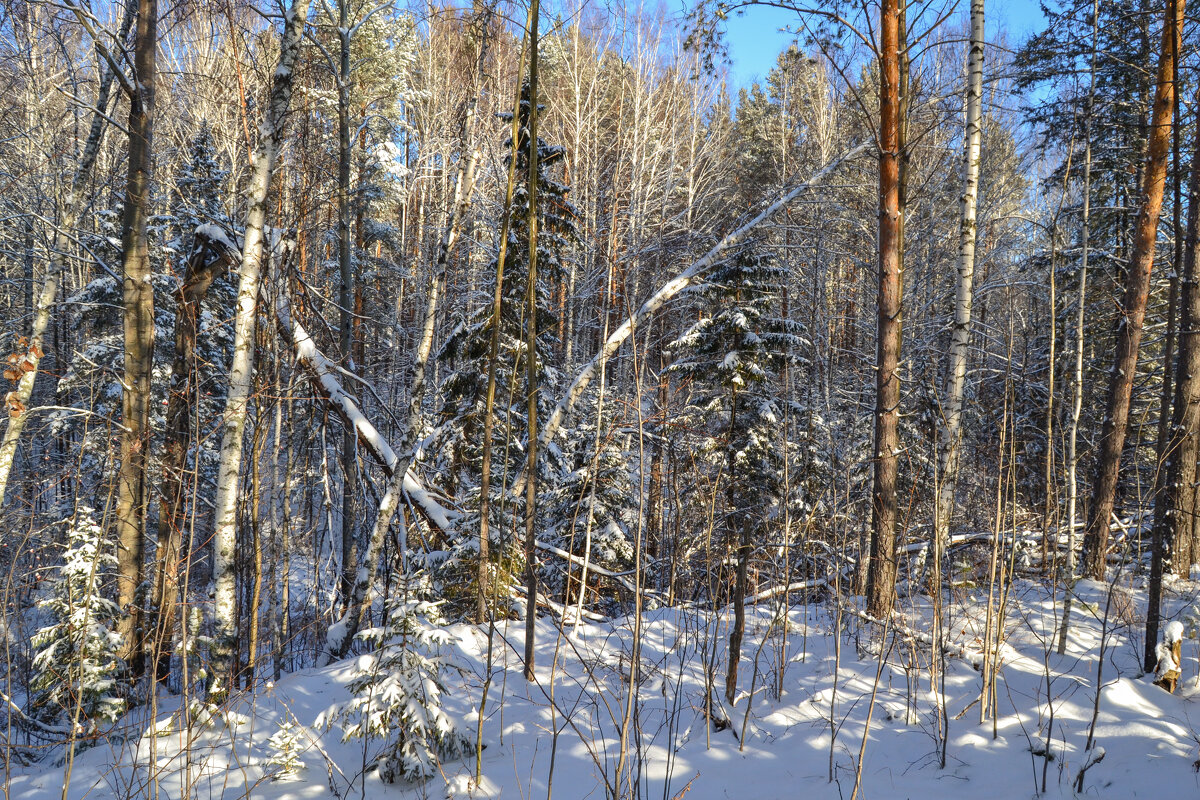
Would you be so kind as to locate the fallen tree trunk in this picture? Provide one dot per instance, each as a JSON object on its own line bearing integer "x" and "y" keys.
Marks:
{"x": 669, "y": 290}
{"x": 322, "y": 375}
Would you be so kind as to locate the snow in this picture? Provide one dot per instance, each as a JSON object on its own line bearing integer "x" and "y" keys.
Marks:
{"x": 324, "y": 371}
{"x": 568, "y": 722}
{"x": 217, "y": 235}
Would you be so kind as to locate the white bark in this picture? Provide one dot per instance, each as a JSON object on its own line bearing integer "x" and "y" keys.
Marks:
{"x": 1080, "y": 316}
{"x": 960, "y": 335}
{"x": 341, "y": 633}
{"x": 322, "y": 372}
{"x": 242, "y": 368}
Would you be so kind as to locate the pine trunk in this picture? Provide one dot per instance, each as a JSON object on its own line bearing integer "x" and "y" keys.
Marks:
{"x": 531, "y": 374}
{"x": 341, "y": 633}
{"x": 881, "y": 572}
{"x": 345, "y": 301}
{"x": 1173, "y": 510}
{"x": 1137, "y": 290}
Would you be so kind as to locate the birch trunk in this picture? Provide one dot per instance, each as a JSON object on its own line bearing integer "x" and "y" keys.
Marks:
{"x": 960, "y": 334}
{"x": 666, "y": 292}
{"x": 138, "y": 300}
{"x": 1137, "y": 290}
{"x": 881, "y": 572}
{"x": 242, "y": 368}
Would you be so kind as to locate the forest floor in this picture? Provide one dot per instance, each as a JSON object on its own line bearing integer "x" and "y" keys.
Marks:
{"x": 561, "y": 735}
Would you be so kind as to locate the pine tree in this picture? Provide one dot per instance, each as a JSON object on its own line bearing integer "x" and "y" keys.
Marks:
{"x": 1054, "y": 66}
{"x": 398, "y": 690}
{"x": 76, "y": 655}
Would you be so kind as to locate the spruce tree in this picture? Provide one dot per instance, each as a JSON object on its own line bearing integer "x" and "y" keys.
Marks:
{"x": 732, "y": 358}
{"x": 467, "y": 348}
{"x": 91, "y": 381}
{"x": 398, "y": 690}
{"x": 593, "y": 510}
{"x": 76, "y": 660}
{"x": 199, "y": 187}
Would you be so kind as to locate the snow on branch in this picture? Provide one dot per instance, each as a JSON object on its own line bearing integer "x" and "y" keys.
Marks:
{"x": 668, "y": 291}
{"x": 323, "y": 374}
{"x": 33, "y": 725}
{"x": 618, "y": 577}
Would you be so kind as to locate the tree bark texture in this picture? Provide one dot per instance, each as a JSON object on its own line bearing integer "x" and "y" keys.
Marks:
{"x": 242, "y": 369}
{"x": 138, "y": 297}
{"x": 881, "y": 572}
{"x": 960, "y": 333}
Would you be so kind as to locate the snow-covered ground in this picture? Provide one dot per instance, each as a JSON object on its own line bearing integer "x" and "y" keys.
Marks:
{"x": 561, "y": 735}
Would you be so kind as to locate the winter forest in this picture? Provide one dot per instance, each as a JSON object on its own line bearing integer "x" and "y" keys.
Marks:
{"x": 502, "y": 400}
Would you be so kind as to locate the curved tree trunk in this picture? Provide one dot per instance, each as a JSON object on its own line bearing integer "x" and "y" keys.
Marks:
{"x": 663, "y": 294}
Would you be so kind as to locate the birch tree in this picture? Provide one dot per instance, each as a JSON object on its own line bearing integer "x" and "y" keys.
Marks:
{"x": 1080, "y": 320}
{"x": 242, "y": 368}
{"x": 16, "y": 402}
{"x": 964, "y": 295}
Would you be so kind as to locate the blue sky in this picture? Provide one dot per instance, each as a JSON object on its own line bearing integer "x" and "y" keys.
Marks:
{"x": 756, "y": 38}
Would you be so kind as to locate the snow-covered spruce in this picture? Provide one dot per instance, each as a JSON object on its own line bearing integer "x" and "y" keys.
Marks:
{"x": 732, "y": 359}
{"x": 467, "y": 349}
{"x": 285, "y": 751}
{"x": 75, "y": 656}
{"x": 591, "y": 513}
{"x": 398, "y": 690}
